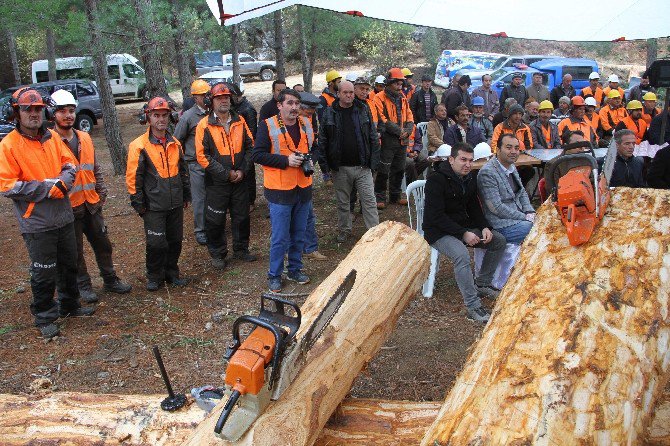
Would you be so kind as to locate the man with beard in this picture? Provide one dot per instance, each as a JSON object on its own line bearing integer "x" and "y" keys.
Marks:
{"x": 634, "y": 121}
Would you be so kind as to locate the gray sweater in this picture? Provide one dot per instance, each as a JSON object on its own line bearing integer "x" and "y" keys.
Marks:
{"x": 502, "y": 206}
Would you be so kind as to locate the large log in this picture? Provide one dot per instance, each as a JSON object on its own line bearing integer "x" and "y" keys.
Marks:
{"x": 577, "y": 350}
{"x": 137, "y": 420}
{"x": 392, "y": 262}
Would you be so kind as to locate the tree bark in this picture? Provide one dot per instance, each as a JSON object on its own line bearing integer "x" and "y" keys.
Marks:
{"x": 652, "y": 51}
{"x": 353, "y": 337}
{"x": 304, "y": 58}
{"x": 51, "y": 53}
{"x": 115, "y": 144}
{"x": 577, "y": 350}
{"x": 312, "y": 53}
{"x": 146, "y": 30}
{"x": 235, "y": 44}
{"x": 87, "y": 419}
{"x": 279, "y": 45}
{"x": 181, "y": 56}
{"x": 13, "y": 57}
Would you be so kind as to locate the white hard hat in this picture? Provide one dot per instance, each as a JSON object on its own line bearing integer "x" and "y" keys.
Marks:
{"x": 443, "y": 151}
{"x": 482, "y": 150}
{"x": 380, "y": 79}
{"x": 63, "y": 97}
{"x": 590, "y": 101}
{"x": 351, "y": 77}
{"x": 594, "y": 75}
{"x": 613, "y": 78}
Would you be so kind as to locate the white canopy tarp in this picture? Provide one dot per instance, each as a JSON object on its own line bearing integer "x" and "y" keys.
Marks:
{"x": 527, "y": 19}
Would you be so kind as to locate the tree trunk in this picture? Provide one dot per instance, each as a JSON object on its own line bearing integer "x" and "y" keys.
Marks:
{"x": 13, "y": 57}
{"x": 51, "y": 53}
{"x": 279, "y": 45}
{"x": 235, "y": 44}
{"x": 181, "y": 56}
{"x": 577, "y": 350}
{"x": 115, "y": 144}
{"x": 304, "y": 58}
{"x": 87, "y": 419}
{"x": 312, "y": 53}
{"x": 652, "y": 51}
{"x": 146, "y": 30}
{"x": 353, "y": 337}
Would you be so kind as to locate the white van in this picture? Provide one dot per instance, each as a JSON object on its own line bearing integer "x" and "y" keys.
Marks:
{"x": 126, "y": 75}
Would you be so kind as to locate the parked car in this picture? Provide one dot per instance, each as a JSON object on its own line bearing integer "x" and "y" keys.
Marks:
{"x": 453, "y": 62}
{"x": 578, "y": 68}
{"x": 505, "y": 61}
{"x": 88, "y": 109}
{"x": 208, "y": 61}
{"x": 214, "y": 77}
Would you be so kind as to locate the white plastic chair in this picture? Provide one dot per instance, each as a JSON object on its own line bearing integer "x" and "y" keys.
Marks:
{"x": 423, "y": 126}
{"x": 416, "y": 191}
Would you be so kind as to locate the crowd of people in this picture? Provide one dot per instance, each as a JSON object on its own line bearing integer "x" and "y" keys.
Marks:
{"x": 364, "y": 136}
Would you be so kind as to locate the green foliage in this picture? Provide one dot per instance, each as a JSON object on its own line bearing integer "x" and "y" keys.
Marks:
{"x": 385, "y": 45}
{"x": 430, "y": 43}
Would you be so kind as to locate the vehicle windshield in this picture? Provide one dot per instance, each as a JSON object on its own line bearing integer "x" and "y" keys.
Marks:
{"x": 497, "y": 74}
{"x": 498, "y": 63}
{"x": 132, "y": 71}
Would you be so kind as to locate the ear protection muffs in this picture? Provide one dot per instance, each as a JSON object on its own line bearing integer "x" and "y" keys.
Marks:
{"x": 142, "y": 116}
{"x": 11, "y": 108}
{"x": 208, "y": 96}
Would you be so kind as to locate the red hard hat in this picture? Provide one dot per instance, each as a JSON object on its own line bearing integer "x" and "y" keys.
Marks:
{"x": 220, "y": 89}
{"x": 158, "y": 103}
{"x": 578, "y": 101}
{"x": 395, "y": 74}
{"x": 27, "y": 97}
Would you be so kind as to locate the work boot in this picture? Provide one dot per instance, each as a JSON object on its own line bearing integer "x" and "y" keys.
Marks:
{"x": 118, "y": 287}
{"x": 490, "y": 292}
{"x": 381, "y": 205}
{"x": 479, "y": 314}
{"x": 401, "y": 201}
{"x": 176, "y": 281}
{"x": 219, "y": 263}
{"x": 315, "y": 255}
{"x": 153, "y": 285}
{"x": 88, "y": 295}
{"x": 274, "y": 284}
{"x": 49, "y": 331}
{"x": 201, "y": 238}
{"x": 342, "y": 236}
{"x": 79, "y": 312}
{"x": 245, "y": 256}
{"x": 299, "y": 277}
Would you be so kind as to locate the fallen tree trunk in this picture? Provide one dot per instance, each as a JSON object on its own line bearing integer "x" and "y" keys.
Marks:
{"x": 137, "y": 420}
{"x": 577, "y": 350}
{"x": 391, "y": 261}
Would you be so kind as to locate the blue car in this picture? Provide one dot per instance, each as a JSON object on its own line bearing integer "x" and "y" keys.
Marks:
{"x": 578, "y": 68}
{"x": 503, "y": 77}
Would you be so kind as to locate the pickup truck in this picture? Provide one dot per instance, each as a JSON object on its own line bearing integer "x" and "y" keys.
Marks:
{"x": 249, "y": 66}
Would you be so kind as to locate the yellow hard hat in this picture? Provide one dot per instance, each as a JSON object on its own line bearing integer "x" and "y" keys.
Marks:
{"x": 546, "y": 105}
{"x": 407, "y": 72}
{"x": 332, "y": 75}
{"x": 199, "y": 87}
{"x": 634, "y": 105}
{"x": 613, "y": 94}
{"x": 649, "y": 96}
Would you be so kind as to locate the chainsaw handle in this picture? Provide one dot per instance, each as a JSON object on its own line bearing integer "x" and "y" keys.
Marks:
{"x": 227, "y": 409}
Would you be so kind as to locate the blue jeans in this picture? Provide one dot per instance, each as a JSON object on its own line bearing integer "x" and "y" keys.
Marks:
{"x": 516, "y": 233}
{"x": 289, "y": 222}
{"x": 311, "y": 239}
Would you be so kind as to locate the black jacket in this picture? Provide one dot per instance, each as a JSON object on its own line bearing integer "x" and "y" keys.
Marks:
{"x": 510, "y": 91}
{"x": 654, "y": 132}
{"x": 452, "y": 206}
{"x": 558, "y": 92}
{"x": 330, "y": 136}
{"x": 268, "y": 110}
{"x": 454, "y": 98}
{"x": 658, "y": 175}
{"x": 248, "y": 112}
{"x": 418, "y": 104}
{"x": 628, "y": 172}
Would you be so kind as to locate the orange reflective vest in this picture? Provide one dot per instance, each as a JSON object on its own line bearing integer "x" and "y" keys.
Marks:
{"x": 607, "y": 89}
{"x": 649, "y": 116}
{"x": 282, "y": 144}
{"x": 328, "y": 97}
{"x": 228, "y": 150}
{"x": 598, "y": 95}
{"x": 638, "y": 127}
{"x": 83, "y": 190}
{"x": 409, "y": 92}
{"x": 522, "y": 133}
{"x": 610, "y": 118}
{"x": 594, "y": 121}
{"x": 373, "y": 110}
{"x": 386, "y": 111}
{"x": 584, "y": 126}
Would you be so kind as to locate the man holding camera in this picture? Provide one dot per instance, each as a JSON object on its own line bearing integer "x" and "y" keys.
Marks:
{"x": 282, "y": 148}
{"x": 223, "y": 145}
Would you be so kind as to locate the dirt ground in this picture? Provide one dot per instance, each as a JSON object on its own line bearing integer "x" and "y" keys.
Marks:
{"x": 111, "y": 352}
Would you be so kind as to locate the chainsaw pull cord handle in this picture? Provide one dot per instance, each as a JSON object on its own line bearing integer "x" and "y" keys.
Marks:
{"x": 227, "y": 409}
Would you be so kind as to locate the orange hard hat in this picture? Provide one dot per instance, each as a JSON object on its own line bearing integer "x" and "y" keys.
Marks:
{"x": 25, "y": 97}
{"x": 220, "y": 89}
{"x": 158, "y": 103}
{"x": 199, "y": 87}
{"x": 577, "y": 101}
{"x": 395, "y": 74}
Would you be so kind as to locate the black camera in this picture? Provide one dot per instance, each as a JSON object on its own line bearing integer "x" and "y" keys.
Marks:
{"x": 306, "y": 165}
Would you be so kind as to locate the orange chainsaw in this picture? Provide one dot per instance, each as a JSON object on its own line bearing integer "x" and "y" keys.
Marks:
{"x": 260, "y": 367}
{"x": 581, "y": 195}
